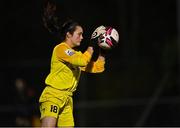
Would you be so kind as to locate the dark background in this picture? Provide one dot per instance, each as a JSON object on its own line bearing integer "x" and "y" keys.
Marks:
{"x": 140, "y": 86}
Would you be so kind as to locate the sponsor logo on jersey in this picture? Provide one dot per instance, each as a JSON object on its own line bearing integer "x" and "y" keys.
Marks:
{"x": 69, "y": 52}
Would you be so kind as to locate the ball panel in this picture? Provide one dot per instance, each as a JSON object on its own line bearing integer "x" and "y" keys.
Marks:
{"x": 115, "y": 35}
{"x": 99, "y": 30}
{"x": 109, "y": 39}
{"x": 104, "y": 46}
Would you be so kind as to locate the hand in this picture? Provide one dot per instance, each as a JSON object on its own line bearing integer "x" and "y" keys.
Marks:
{"x": 94, "y": 44}
{"x": 103, "y": 52}
{"x": 95, "y": 38}
{"x": 96, "y": 34}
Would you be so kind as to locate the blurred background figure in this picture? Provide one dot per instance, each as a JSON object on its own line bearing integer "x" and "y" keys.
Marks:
{"x": 24, "y": 101}
{"x": 21, "y": 103}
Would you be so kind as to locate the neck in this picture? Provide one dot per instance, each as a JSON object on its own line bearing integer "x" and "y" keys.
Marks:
{"x": 69, "y": 43}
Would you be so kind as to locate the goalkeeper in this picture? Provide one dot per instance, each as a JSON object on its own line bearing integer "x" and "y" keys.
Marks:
{"x": 56, "y": 103}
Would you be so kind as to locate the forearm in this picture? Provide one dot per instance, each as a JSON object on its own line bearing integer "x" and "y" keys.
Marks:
{"x": 95, "y": 66}
{"x": 82, "y": 59}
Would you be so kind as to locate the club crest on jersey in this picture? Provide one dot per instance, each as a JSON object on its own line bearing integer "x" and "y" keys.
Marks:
{"x": 69, "y": 52}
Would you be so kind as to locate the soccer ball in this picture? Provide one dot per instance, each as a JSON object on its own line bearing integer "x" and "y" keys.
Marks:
{"x": 109, "y": 38}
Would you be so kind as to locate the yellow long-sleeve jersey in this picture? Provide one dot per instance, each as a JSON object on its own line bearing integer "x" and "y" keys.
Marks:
{"x": 66, "y": 66}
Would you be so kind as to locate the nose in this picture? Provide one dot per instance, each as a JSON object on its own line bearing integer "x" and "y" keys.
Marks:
{"x": 81, "y": 37}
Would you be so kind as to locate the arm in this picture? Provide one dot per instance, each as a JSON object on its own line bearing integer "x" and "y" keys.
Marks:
{"x": 95, "y": 66}
{"x": 73, "y": 57}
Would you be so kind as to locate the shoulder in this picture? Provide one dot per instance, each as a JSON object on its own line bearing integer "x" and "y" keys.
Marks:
{"x": 63, "y": 48}
{"x": 62, "y": 45}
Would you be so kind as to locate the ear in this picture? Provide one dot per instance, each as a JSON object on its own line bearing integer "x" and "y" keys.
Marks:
{"x": 68, "y": 35}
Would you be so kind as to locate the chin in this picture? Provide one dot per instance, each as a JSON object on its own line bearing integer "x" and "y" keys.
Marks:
{"x": 78, "y": 44}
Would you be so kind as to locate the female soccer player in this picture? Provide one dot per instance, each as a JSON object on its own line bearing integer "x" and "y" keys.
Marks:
{"x": 56, "y": 103}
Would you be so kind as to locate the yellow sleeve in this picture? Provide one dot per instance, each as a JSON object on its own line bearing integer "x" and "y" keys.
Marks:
{"x": 71, "y": 56}
{"x": 94, "y": 67}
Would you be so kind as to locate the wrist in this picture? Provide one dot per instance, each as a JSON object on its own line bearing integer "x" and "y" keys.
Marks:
{"x": 90, "y": 49}
{"x": 101, "y": 57}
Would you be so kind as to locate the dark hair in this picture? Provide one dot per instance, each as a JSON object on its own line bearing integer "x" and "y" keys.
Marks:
{"x": 68, "y": 26}
{"x": 51, "y": 20}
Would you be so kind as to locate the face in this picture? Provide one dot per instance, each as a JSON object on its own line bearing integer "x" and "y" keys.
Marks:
{"x": 76, "y": 37}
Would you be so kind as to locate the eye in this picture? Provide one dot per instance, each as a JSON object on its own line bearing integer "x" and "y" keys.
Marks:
{"x": 80, "y": 34}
